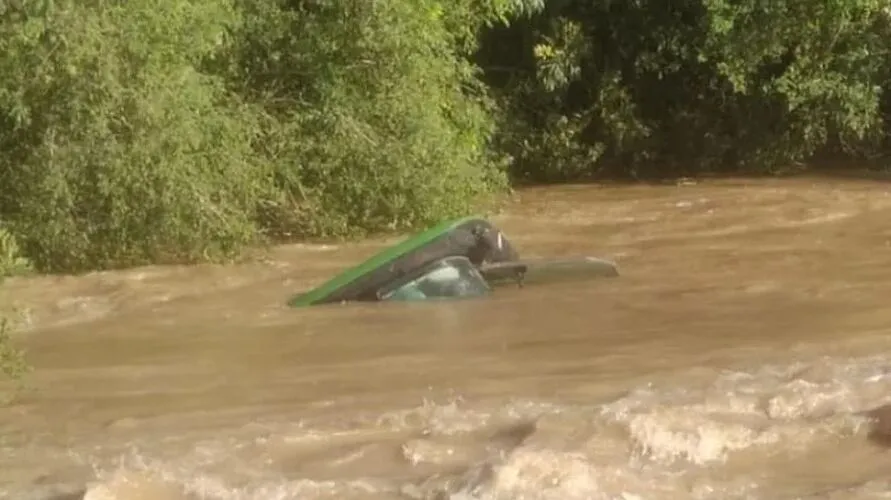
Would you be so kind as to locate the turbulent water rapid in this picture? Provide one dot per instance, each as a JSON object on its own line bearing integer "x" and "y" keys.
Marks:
{"x": 744, "y": 353}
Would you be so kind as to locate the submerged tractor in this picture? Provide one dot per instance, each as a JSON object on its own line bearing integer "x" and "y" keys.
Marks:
{"x": 462, "y": 258}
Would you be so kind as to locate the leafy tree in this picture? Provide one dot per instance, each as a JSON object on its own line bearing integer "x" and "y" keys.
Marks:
{"x": 375, "y": 119}
{"x": 117, "y": 150}
{"x": 678, "y": 87}
{"x": 169, "y": 130}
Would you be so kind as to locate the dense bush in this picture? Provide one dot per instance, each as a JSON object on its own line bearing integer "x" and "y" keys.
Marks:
{"x": 178, "y": 131}
{"x": 117, "y": 150}
{"x": 374, "y": 119}
{"x": 661, "y": 88}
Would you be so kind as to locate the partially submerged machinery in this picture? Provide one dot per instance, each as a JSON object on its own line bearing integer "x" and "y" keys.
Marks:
{"x": 461, "y": 258}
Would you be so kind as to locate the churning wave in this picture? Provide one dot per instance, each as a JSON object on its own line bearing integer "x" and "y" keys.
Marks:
{"x": 728, "y": 435}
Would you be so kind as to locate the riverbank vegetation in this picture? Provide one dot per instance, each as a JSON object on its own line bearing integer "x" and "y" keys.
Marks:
{"x": 178, "y": 131}
{"x": 12, "y": 360}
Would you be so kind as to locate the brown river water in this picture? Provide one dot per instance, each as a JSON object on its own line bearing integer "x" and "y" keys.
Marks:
{"x": 732, "y": 359}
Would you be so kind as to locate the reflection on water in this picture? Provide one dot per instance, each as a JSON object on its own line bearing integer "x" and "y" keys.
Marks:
{"x": 744, "y": 353}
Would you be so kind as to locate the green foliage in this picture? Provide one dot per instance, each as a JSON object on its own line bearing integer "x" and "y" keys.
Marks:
{"x": 661, "y": 88}
{"x": 13, "y": 364}
{"x": 117, "y": 151}
{"x": 374, "y": 119}
{"x": 171, "y": 130}
{"x": 12, "y": 359}
{"x": 11, "y": 261}
{"x": 177, "y": 131}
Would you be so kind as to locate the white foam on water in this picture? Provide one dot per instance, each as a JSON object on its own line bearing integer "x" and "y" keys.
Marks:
{"x": 141, "y": 478}
{"x": 668, "y": 441}
{"x": 791, "y": 405}
{"x": 870, "y": 490}
{"x": 679, "y": 438}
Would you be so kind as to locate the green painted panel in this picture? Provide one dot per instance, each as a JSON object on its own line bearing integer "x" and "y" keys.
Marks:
{"x": 384, "y": 257}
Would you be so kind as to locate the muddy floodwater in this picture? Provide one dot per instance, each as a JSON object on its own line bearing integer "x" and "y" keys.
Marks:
{"x": 733, "y": 359}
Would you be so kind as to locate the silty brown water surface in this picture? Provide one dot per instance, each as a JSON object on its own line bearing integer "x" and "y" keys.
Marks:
{"x": 732, "y": 359}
